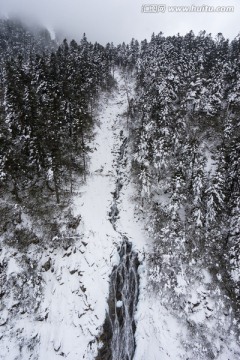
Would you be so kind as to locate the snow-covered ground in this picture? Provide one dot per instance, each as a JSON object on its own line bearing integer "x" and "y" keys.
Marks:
{"x": 73, "y": 285}
{"x": 73, "y": 299}
{"x": 77, "y": 303}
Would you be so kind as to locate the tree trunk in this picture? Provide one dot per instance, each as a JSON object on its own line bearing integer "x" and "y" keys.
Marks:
{"x": 84, "y": 158}
{"x": 56, "y": 188}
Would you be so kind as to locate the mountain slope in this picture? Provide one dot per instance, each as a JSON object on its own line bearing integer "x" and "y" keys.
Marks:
{"x": 66, "y": 284}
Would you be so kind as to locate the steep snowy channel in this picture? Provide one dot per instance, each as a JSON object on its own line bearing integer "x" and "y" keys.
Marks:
{"x": 102, "y": 258}
{"x": 119, "y": 327}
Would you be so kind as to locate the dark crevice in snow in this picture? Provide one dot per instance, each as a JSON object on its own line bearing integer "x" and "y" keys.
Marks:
{"x": 119, "y": 326}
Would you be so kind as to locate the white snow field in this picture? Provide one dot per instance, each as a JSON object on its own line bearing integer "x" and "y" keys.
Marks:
{"x": 73, "y": 299}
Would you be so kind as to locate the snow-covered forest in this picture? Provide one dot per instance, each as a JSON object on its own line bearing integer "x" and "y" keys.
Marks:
{"x": 120, "y": 197}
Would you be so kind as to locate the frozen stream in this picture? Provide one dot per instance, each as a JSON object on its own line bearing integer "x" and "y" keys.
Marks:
{"x": 119, "y": 327}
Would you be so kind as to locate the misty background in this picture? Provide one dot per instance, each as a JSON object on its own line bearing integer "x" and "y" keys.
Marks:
{"x": 120, "y": 20}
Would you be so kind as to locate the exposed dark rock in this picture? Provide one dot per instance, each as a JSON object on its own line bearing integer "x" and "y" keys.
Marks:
{"x": 47, "y": 265}
{"x": 73, "y": 271}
